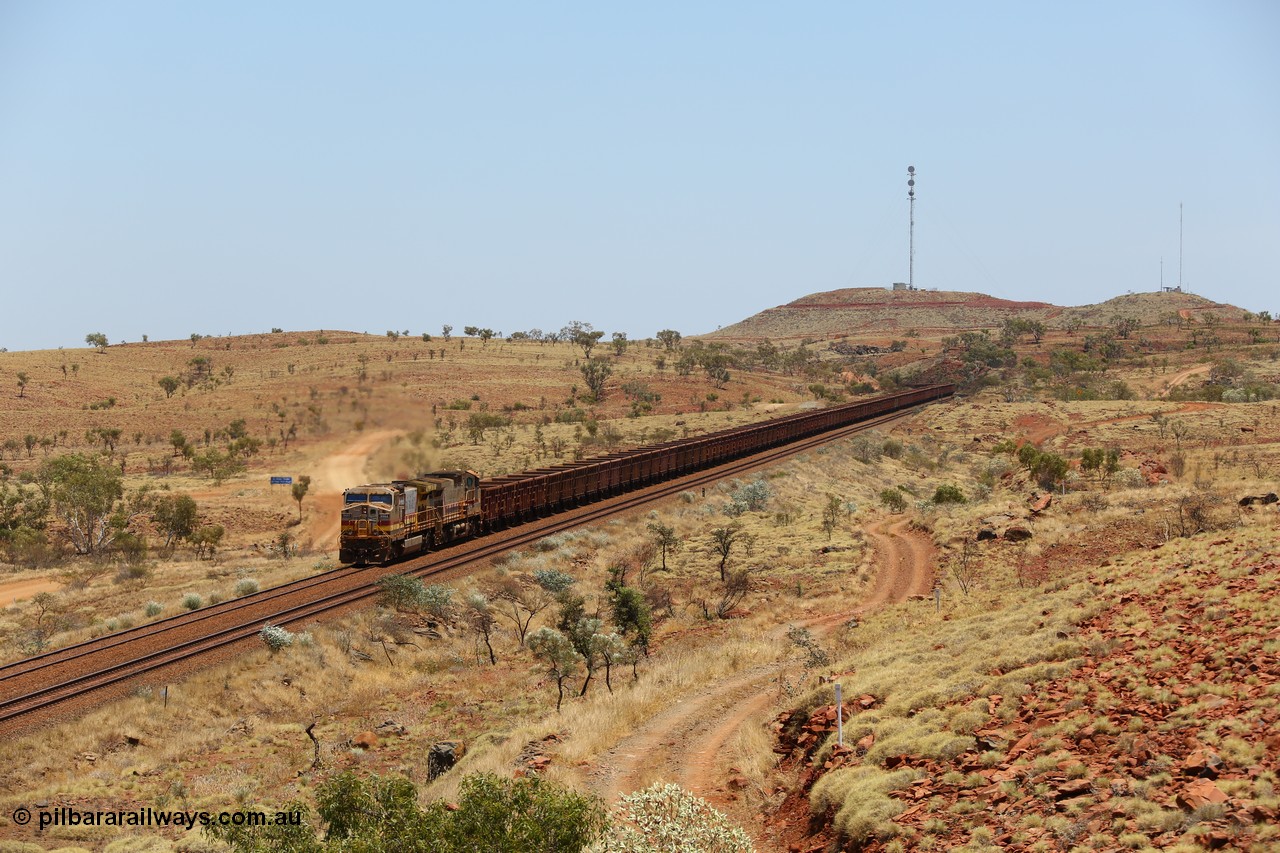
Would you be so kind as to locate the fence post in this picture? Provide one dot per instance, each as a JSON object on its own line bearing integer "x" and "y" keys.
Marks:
{"x": 839, "y": 717}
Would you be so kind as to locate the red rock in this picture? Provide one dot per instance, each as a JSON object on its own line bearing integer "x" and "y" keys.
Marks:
{"x": 1042, "y": 503}
{"x": 1200, "y": 793}
{"x": 1074, "y": 788}
{"x": 1024, "y": 743}
{"x": 1202, "y": 762}
{"x": 365, "y": 740}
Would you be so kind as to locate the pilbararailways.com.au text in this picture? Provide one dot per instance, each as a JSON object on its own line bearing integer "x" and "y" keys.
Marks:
{"x": 147, "y": 816}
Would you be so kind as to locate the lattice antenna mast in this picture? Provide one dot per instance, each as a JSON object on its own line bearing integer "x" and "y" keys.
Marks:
{"x": 911, "y": 258}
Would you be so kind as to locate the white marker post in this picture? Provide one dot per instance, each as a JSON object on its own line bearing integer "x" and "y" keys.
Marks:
{"x": 839, "y": 717}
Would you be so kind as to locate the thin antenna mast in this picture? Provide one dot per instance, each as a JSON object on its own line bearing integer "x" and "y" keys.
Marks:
{"x": 911, "y": 259}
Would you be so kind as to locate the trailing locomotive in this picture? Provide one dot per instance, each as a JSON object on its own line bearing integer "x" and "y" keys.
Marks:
{"x": 382, "y": 522}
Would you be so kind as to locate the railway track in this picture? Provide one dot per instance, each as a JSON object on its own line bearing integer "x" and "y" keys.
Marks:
{"x": 35, "y": 688}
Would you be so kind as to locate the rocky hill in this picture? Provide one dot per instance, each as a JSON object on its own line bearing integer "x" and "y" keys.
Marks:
{"x": 863, "y": 309}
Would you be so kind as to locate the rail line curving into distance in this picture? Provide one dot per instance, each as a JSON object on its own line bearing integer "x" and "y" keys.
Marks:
{"x": 72, "y": 678}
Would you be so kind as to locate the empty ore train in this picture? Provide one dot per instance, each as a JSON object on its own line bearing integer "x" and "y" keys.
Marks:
{"x": 382, "y": 522}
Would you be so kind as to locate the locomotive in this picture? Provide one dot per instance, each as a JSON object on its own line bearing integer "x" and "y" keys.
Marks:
{"x": 382, "y": 522}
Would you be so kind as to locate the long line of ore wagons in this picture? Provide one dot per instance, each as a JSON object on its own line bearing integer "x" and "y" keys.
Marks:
{"x": 384, "y": 521}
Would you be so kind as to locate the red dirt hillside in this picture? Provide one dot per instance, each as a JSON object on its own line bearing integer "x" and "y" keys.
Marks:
{"x": 840, "y": 312}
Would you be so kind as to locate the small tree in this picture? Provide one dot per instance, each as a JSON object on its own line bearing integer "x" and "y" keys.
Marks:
{"x": 96, "y": 339}
{"x": 23, "y": 379}
{"x": 619, "y": 343}
{"x": 596, "y": 372}
{"x": 722, "y": 541}
{"x": 299, "y": 490}
{"x": 176, "y": 517}
{"x": 669, "y": 338}
{"x": 169, "y": 384}
{"x": 831, "y": 514}
{"x": 558, "y": 653}
{"x": 481, "y": 621}
{"x": 520, "y": 602}
{"x": 613, "y": 651}
{"x": 664, "y": 536}
{"x": 206, "y": 540}
{"x": 84, "y": 492}
{"x": 632, "y": 615}
{"x": 964, "y": 565}
{"x": 582, "y": 335}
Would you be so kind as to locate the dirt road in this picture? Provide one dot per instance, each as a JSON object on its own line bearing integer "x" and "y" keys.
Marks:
{"x": 13, "y": 591}
{"x": 336, "y": 472}
{"x": 690, "y": 742}
{"x": 1182, "y": 376}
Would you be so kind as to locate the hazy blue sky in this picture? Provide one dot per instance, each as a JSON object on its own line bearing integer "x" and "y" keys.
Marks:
{"x": 168, "y": 168}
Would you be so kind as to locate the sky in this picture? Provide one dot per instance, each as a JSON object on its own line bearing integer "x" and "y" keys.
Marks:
{"x": 225, "y": 168}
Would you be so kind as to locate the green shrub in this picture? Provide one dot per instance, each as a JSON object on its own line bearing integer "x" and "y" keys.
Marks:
{"x": 192, "y": 601}
{"x": 526, "y": 815}
{"x": 246, "y": 586}
{"x": 403, "y": 592}
{"x": 948, "y": 494}
{"x": 893, "y": 499}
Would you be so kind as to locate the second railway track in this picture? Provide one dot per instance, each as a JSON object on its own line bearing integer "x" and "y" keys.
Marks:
{"x": 33, "y": 689}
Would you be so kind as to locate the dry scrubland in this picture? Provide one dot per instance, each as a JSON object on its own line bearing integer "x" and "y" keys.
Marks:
{"x": 1070, "y": 690}
{"x": 303, "y": 399}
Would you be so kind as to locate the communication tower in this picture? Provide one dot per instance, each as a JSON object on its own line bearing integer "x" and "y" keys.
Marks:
{"x": 911, "y": 258}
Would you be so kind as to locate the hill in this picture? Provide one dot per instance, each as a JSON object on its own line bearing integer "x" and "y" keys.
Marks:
{"x": 852, "y": 310}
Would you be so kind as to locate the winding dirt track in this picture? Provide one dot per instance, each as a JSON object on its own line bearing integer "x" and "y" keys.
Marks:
{"x": 339, "y": 471}
{"x": 688, "y": 742}
{"x": 1182, "y": 376}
